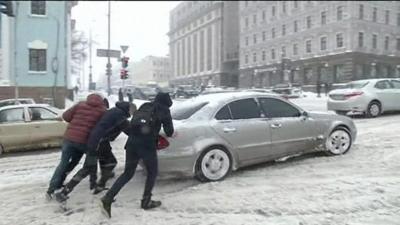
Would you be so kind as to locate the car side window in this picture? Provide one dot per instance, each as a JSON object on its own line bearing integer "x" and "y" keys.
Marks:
{"x": 38, "y": 113}
{"x": 384, "y": 84}
{"x": 275, "y": 108}
{"x": 396, "y": 84}
{"x": 223, "y": 114}
{"x": 245, "y": 109}
{"x": 12, "y": 115}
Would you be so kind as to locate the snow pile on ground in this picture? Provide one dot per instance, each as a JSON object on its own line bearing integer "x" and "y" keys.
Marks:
{"x": 359, "y": 188}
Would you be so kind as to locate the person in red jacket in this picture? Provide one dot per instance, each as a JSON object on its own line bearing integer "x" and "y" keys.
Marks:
{"x": 81, "y": 118}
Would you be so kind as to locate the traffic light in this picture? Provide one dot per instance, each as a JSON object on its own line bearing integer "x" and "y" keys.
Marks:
{"x": 125, "y": 62}
{"x": 124, "y": 74}
{"x": 6, "y": 8}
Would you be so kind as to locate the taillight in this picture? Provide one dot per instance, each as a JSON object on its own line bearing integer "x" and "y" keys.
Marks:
{"x": 162, "y": 143}
{"x": 353, "y": 94}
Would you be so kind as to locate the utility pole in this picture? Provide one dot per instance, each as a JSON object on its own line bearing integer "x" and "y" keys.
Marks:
{"x": 108, "y": 52}
{"x": 16, "y": 90}
{"x": 90, "y": 60}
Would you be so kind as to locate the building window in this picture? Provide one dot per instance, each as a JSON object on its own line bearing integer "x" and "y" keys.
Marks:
{"x": 273, "y": 33}
{"x": 323, "y": 18}
{"x": 246, "y": 22}
{"x": 283, "y": 50}
{"x": 209, "y": 48}
{"x": 202, "y": 49}
{"x": 309, "y": 22}
{"x": 273, "y": 11}
{"x": 360, "y": 39}
{"x": 295, "y": 50}
{"x": 398, "y": 44}
{"x": 374, "y": 41}
{"x": 246, "y": 59}
{"x": 247, "y": 41}
{"x": 284, "y": 6}
{"x": 272, "y": 53}
{"x": 361, "y": 12}
{"x": 339, "y": 13}
{"x": 38, "y": 7}
{"x": 387, "y": 17}
{"x": 339, "y": 40}
{"x": 398, "y": 19}
{"x": 283, "y": 30}
{"x": 308, "y": 46}
{"x": 255, "y": 38}
{"x": 295, "y": 26}
{"x": 263, "y": 55}
{"x": 255, "y": 19}
{"x": 264, "y": 35}
{"x": 323, "y": 43}
{"x": 296, "y": 4}
{"x": 37, "y": 60}
{"x": 195, "y": 53}
{"x": 254, "y": 57}
{"x": 375, "y": 14}
{"x": 183, "y": 56}
{"x": 387, "y": 43}
{"x": 263, "y": 15}
{"x": 189, "y": 43}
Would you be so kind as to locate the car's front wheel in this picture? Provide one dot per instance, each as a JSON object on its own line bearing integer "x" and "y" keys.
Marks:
{"x": 338, "y": 142}
{"x": 214, "y": 164}
{"x": 374, "y": 109}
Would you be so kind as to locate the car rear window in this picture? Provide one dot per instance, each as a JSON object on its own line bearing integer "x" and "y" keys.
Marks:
{"x": 355, "y": 85}
{"x": 185, "y": 110}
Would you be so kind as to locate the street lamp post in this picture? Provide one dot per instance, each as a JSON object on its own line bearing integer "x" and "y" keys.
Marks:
{"x": 108, "y": 52}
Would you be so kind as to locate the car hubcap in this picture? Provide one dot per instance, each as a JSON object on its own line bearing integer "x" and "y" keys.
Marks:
{"x": 215, "y": 164}
{"x": 338, "y": 142}
{"x": 374, "y": 110}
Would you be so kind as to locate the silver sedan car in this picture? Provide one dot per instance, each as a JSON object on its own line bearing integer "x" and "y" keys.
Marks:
{"x": 218, "y": 133}
{"x": 370, "y": 97}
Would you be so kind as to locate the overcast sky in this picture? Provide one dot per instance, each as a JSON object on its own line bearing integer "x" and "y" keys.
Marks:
{"x": 141, "y": 25}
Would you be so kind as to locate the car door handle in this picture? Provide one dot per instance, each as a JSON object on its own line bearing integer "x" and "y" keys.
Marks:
{"x": 276, "y": 125}
{"x": 229, "y": 129}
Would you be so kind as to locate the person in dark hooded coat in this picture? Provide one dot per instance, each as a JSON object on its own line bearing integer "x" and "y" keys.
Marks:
{"x": 110, "y": 125}
{"x": 143, "y": 147}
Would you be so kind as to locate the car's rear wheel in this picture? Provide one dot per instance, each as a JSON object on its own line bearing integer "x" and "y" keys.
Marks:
{"x": 214, "y": 164}
{"x": 338, "y": 142}
{"x": 374, "y": 109}
{"x": 1, "y": 149}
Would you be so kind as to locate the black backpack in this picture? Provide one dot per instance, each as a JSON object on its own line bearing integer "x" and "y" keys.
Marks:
{"x": 142, "y": 122}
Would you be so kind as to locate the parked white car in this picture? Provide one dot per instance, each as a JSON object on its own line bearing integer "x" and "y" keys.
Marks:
{"x": 30, "y": 126}
{"x": 371, "y": 97}
{"x": 17, "y": 101}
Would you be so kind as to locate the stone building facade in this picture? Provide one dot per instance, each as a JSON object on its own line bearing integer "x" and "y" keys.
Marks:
{"x": 151, "y": 69}
{"x": 204, "y": 43}
{"x": 310, "y": 42}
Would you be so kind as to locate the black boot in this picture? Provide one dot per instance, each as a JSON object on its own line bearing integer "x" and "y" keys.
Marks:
{"x": 106, "y": 206}
{"x": 147, "y": 203}
{"x": 61, "y": 195}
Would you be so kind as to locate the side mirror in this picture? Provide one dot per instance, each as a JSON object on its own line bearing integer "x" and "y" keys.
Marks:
{"x": 304, "y": 114}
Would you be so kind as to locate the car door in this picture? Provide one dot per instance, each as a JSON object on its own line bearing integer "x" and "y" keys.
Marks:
{"x": 241, "y": 124}
{"x": 48, "y": 128}
{"x": 395, "y": 97}
{"x": 384, "y": 92}
{"x": 15, "y": 132}
{"x": 291, "y": 131}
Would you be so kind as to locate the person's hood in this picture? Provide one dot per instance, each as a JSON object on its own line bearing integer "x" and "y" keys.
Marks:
{"x": 163, "y": 99}
{"x": 94, "y": 100}
{"x": 124, "y": 106}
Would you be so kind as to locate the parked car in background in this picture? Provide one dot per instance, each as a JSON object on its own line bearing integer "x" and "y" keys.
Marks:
{"x": 217, "y": 133}
{"x": 30, "y": 126}
{"x": 215, "y": 90}
{"x": 17, "y": 101}
{"x": 186, "y": 91}
{"x": 290, "y": 90}
{"x": 370, "y": 97}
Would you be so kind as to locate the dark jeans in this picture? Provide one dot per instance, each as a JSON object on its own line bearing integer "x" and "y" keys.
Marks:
{"x": 71, "y": 154}
{"x": 137, "y": 150}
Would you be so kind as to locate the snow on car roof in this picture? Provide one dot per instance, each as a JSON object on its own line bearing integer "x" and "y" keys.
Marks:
{"x": 23, "y": 105}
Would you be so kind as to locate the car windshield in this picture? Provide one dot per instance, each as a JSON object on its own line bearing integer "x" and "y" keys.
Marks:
{"x": 185, "y": 110}
{"x": 354, "y": 85}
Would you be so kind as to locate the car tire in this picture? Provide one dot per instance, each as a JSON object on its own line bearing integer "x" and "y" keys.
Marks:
{"x": 1, "y": 150}
{"x": 374, "y": 109}
{"x": 343, "y": 113}
{"x": 214, "y": 164}
{"x": 338, "y": 142}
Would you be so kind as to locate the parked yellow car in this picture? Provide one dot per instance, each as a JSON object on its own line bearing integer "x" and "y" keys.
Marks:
{"x": 30, "y": 126}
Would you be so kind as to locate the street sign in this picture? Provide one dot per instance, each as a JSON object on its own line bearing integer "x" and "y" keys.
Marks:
{"x": 113, "y": 53}
{"x": 124, "y": 48}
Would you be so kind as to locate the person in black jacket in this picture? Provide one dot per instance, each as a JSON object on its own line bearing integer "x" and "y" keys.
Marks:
{"x": 143, "y": 147}
{"x": 110, "y": 125}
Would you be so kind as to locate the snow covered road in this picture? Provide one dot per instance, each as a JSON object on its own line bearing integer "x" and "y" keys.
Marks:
{"x": 361, "y": 187}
